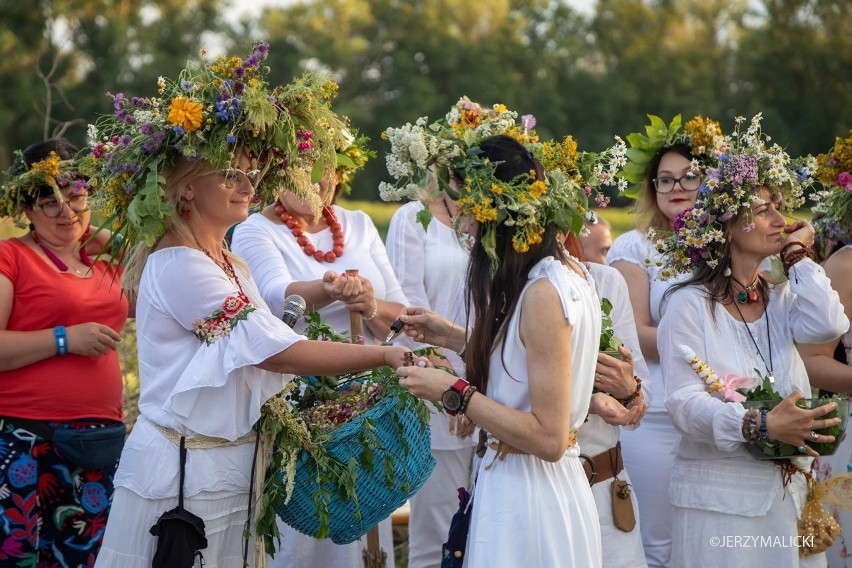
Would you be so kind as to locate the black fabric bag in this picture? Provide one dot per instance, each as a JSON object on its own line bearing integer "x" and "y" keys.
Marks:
{"x": 93, "y": 448}
{"x": 180, "y": 534}
{"x": 452, "y": 552}
{"x": 89, "y": 448}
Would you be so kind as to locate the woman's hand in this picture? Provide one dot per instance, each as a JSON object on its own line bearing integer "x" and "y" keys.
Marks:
{"x": 613, "y": 412}
{"x": 425, "y": 326}
{"x": 461, "y": 426}
{"x": 396, "y": 355}
{"x": 424, "y": 382}
{"x": 793, "y": 425}
{"x": 341, "y": 287}
{"x": 614, "y": 376}
{"x": 801, "y": 231}
{"x": 363, "y": 301}
{"x": 92, "y": 339}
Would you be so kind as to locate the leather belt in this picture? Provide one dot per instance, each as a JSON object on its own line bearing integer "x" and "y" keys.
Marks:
{"x": 603, "y": 466}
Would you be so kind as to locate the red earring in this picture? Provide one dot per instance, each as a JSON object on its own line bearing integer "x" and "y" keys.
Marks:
{"x": 188, "y": 213}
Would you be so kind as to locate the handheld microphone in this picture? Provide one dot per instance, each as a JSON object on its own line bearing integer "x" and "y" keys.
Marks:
{"x": 294, "y": 308}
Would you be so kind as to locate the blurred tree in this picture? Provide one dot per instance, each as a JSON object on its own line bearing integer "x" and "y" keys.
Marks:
{"x": 97, "y": 45}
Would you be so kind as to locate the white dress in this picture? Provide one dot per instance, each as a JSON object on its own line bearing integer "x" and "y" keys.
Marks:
{"x": 717, "y": 489}
{"x": 620, "y": 549}
{"x": 840, "y": 553}
{"x": 431, "y": 267}
{"x": 649, "y": 449}
{"x": 527, "y": 511}
{"x": 276, "y": 261}
{"x": 196, "y": 384}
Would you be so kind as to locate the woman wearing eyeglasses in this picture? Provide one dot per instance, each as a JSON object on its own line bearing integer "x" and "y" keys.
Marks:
{"x": 668, "y": 184}
{"x": 60, "y": 319}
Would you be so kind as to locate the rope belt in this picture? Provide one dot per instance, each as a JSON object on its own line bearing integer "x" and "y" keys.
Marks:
{"x": 200, "y": 441}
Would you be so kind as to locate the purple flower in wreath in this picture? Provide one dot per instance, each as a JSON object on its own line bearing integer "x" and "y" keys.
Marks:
{"x": 528, "y": 122}
{"x": 741, "y": 170}
{"x": 680, "y": 220}
{"x": 844, "y": 180}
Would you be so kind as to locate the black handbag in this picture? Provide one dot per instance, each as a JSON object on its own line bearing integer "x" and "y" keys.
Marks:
{"x": 452, "y": 552}
{"x": 180, "y": 534}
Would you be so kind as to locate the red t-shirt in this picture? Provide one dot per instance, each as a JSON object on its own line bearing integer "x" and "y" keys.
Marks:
{"x": 65, "y": 387}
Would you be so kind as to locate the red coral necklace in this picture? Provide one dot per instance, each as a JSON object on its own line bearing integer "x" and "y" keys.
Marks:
{"x": 302, "y": 239}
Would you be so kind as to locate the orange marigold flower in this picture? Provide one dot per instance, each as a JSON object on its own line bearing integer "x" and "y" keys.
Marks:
{"x": 471, "y": 118}
{"x": 186, "y": 113}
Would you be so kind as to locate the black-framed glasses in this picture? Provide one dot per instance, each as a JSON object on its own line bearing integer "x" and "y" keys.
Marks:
{"x": 688, "y": 182}
{"x": 235, "y": 177}
{"x": 52, "y": 207}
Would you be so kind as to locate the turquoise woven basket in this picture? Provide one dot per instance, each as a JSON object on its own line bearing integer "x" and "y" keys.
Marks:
{"x": 376, "y": 501}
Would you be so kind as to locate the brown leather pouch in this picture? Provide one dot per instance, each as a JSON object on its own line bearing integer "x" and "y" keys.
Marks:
{"x": 623, "y": 516}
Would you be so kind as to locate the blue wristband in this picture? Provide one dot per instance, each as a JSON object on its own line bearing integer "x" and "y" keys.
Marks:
{"x": 61, "y": 340}
{"x": 764, "y": 435}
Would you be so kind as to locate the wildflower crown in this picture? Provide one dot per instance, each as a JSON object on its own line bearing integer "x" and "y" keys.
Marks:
{"x": 702, "y": 135}
{"x": 746, "y": 164}
{"x": 21, "y": 184}
{"x": 423, "y": 153}
{"x": 833, "y": 209}
{"x": 214, "y": 111}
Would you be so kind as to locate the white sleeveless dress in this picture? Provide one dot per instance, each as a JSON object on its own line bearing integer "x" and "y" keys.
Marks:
{"x": 526, "y": 511}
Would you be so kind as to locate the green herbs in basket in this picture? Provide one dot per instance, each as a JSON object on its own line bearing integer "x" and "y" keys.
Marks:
{"x": 334, "y": 440}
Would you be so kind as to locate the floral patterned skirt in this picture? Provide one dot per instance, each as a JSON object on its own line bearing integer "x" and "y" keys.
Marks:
{"x": 52, "y": 513}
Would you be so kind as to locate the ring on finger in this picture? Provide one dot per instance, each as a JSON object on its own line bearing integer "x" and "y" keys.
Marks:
{"x": 814, "y": 436}
{"x": 597, "y": 376}
{"x": 800, "y": 449}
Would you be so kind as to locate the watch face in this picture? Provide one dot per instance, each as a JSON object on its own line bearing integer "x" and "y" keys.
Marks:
{"x": 451, "y": 399}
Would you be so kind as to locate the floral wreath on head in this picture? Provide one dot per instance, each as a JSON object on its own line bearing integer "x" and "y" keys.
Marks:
{"x": 833, "y": 209}
{"x": 702, "y": 135}
{"x": 212, "y": 111}
{"x": 422, "y": 152}
{"x": 21, "y": 184}
{"x": 747, "y": 163}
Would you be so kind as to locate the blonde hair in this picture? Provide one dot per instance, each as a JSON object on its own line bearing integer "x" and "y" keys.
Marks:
{"x": 176, "y": 177}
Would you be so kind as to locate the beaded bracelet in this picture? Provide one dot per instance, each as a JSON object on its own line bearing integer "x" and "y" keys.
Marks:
{"x": 61, "y": 339}
{"x": 468, "y": 394}
{"x": 750, "y": 429}
{"x": 373, "y": 312}
{"x": 795, "y": 256}
{"x": 626, "y": 402}
{"x": 764, "y": 435}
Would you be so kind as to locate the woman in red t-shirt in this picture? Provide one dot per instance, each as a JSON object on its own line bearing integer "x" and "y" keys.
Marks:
{"x": 60, "y": 318}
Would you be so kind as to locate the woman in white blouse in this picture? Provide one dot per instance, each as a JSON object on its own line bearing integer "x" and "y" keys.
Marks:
{"x": 431, "y": 265}
{"x": 210, "y": 354}
{"x": 736, "y": 322}
{"x": 292, "y": 251}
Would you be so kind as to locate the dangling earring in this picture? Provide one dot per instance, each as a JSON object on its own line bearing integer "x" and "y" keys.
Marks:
{"x": 187, "y": 214}
{"x": 727, "y": 271}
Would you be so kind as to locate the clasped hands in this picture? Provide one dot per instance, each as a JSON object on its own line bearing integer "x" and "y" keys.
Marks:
{"x": 353, "y": 290}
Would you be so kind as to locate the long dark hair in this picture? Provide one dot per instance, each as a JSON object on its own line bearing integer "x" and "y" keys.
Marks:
{"x": 718, "y": 286}
{"x": 494, "y": 299}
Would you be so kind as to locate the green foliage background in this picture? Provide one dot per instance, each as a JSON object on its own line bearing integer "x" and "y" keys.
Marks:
{"x": 592, "y": 75}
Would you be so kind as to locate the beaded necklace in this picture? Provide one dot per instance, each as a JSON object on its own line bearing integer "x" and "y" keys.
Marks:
{"x": 302, "y": 239}
{"x": 224, "y": 264}
{"x": 57, "y": 262}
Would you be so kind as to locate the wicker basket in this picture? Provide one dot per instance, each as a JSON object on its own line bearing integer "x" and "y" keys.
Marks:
{"x": 376, "y": 501}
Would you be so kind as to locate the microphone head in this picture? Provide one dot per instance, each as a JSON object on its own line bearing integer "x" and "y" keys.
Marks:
{"x": 294, "y": 308}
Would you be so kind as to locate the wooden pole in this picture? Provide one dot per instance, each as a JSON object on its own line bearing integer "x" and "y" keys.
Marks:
{"x": 374, "y": 556}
